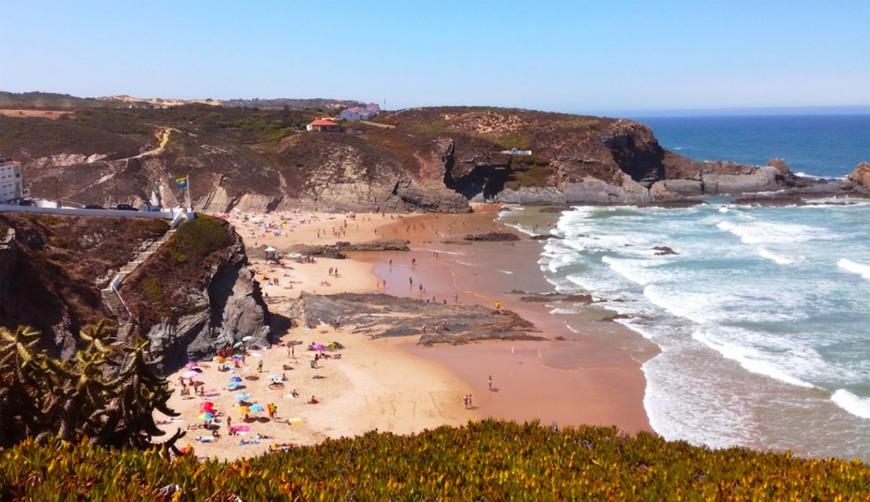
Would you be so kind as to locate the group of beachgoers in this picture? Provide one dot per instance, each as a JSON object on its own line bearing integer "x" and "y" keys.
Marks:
{"x": 213, "y": 421}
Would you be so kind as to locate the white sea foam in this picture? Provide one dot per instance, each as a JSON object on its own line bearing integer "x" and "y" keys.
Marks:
{"x": 626, "y": 269}
{"x": 563, "y": 311}
{"x": 521, "y": 228}
{"x": 856, "y": 405}
{"x": 779, "y": 260}
{"x": 761, "y": 232}
{"x": 855, "y": 268}
{"x": 685, "y": 405}
{"x": 723, "y": 209}
{"x": 753, "y": 360}
{"x": 506, "y": 272}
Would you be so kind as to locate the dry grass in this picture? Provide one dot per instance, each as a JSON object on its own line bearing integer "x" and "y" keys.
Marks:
{"x": 39, "y": 114}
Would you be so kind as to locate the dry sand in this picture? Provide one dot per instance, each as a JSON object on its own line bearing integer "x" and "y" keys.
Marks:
{"x": 392, "y": 384}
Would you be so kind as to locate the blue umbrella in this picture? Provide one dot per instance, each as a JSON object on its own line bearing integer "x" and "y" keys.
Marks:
{"x": 233, "y": 386}
{"x": 241, "y": 396}
{"x": 236, "y": 379}
{"x": 257, "y": 407}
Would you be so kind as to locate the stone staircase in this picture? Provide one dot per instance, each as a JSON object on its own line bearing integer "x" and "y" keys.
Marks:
{"x": 112, "y": 296}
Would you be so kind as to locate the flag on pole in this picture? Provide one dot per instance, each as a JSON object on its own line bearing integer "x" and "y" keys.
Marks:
{"x": 181, "y": 182}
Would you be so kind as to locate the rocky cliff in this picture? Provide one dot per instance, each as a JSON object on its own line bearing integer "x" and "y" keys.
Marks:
{"x": 429, "y": 159}
{"x": 191, "y": 297}
{"x": 195, "y": 296}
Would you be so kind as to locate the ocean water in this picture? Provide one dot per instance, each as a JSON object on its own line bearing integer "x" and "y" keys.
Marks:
{"x": 820, "y": 145}
{"x": 762, "y": 315}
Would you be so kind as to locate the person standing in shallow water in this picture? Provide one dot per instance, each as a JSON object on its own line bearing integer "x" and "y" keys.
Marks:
{"x": 490, "y": 383}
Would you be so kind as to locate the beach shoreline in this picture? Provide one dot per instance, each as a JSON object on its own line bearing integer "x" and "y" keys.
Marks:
{"x": 396, "y": 385}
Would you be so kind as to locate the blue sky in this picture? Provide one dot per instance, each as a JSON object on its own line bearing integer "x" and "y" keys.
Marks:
{"x": 570, "y": 56}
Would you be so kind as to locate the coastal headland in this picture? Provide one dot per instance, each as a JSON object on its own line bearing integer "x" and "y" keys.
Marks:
{"x": 368, "y": 380}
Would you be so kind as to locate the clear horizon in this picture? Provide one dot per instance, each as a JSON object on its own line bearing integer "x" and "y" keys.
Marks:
{"x": 589, "y": 57}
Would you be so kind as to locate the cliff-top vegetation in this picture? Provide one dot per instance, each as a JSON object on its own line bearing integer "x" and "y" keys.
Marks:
{"x": 489, "y": 460}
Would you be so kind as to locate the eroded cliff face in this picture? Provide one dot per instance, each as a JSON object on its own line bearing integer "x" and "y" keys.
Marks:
{"x": 53, "y": 267}
{"x": 428, "y": 159}
{"x": 213, "y": 303}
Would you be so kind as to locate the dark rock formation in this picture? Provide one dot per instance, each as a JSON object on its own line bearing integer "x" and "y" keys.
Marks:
{"x": 552, "y": 297}
{"x": 663, "y": 251}
{"x": 338, "y": 249}
{"x": 493, "y": 237}
{"x": 226, "y": 310}
{"x": 371, "y": 314}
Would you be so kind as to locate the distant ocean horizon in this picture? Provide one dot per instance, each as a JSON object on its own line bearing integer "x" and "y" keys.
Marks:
{"x": 762, "y": 317}
{"x": 823, "y": 145}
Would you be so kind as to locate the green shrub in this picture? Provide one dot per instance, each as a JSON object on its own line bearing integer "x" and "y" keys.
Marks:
{"x": 198, "y": 238}
{"x": 153, "y": 290}
{"x": 488, "y": 460}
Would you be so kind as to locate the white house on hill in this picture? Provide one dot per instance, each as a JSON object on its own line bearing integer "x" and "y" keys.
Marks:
{"x": 355, "y": 113}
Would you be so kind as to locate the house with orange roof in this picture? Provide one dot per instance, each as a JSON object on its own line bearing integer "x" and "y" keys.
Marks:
{"x": 324, "y": 125}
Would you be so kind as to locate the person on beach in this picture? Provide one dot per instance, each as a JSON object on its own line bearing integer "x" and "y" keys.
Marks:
{"x": 260, "y": 366}
{"x": 490, "y": 383}
{"x": 465, "y": 401}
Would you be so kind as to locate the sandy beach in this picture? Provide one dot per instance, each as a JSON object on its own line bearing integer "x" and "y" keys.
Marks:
{"x": 393, "y": 384}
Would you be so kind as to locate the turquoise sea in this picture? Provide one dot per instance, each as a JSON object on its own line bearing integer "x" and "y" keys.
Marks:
{"x": 763, "y": 314}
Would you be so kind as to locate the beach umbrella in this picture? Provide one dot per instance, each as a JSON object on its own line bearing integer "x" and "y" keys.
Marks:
{"x": 244, "y": 409}
{"x": 190, "y": 365}
{"x": 189, "y": 374}
{"x": 206, "y": 403}
{"x": 241, "y": 396}
{"x": 206, "y": 416}
{"x": 233, "y": 386}
{"x": 235, "y": 379}
{"x": 219, "y": 359}
{"x": 256, "y": 407}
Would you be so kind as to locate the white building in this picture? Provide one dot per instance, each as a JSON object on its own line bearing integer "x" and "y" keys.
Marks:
{"x": 355, "y": 113}
{"x": 10, "y": 181}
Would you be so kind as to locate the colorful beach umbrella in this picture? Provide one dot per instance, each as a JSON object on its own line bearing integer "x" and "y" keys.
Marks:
{"x": 256, "y": 407}
{"x": 236, "y": 379}
{"x": 233, "y": 386}
{"x": 206, "y": 416}
{"x": 244, "y": 409}
{"x": 190, "y": 365}
{"x": 189, "y": 374}
{"x": 219, "y": 359}
{"x": 241, "y": 396}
